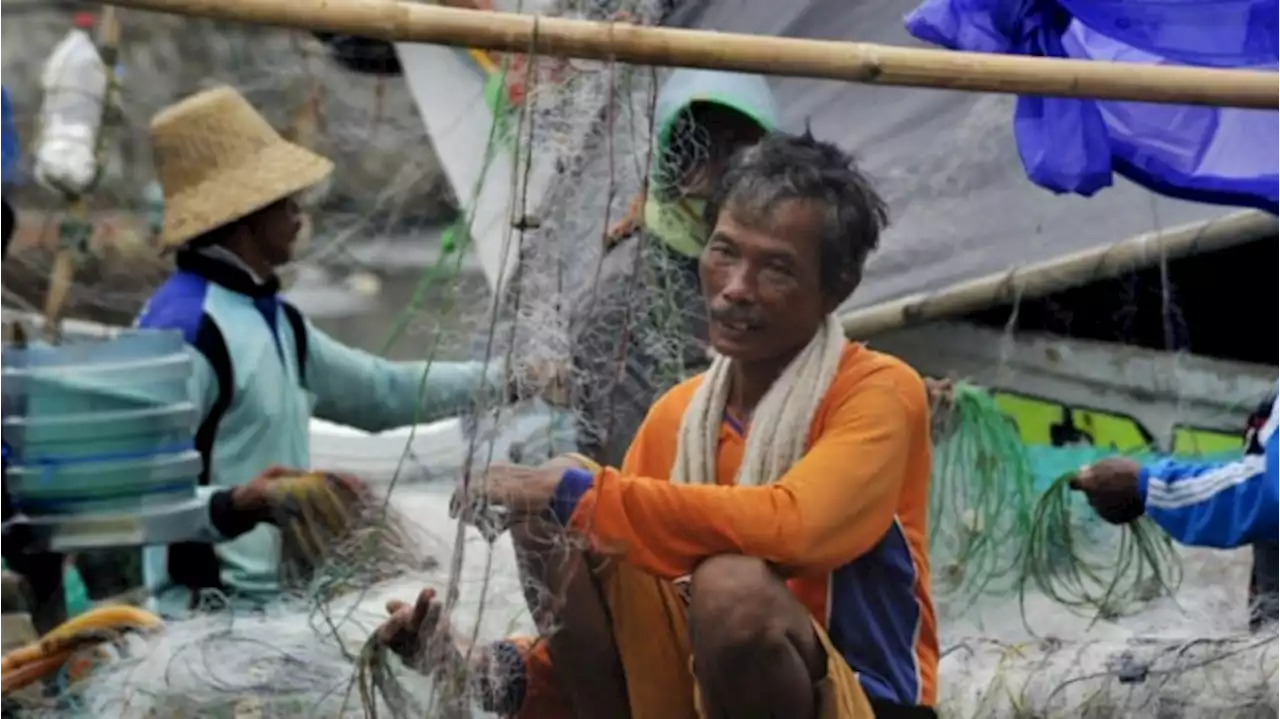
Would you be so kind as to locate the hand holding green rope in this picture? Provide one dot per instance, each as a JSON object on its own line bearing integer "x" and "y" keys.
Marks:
{"x": 1056, "y": 560}
{"x": 989, "y": 533}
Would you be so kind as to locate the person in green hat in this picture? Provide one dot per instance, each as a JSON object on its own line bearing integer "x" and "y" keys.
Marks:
{"x": 640, "y": 328}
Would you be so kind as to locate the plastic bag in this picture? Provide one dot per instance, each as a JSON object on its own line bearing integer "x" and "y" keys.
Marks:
{"x": 75, "y": 85}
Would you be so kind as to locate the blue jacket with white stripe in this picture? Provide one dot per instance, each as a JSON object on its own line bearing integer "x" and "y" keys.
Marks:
{"x": 260, "y": 373}
{"x": 1214, "y": 504}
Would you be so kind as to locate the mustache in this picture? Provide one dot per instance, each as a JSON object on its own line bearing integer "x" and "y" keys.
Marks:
{"x": 736, "y": 316}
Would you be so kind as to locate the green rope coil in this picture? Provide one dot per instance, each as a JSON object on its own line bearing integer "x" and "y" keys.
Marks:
{"x": 981, "y": 495}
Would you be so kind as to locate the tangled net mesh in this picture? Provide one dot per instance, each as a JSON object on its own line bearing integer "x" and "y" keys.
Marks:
{"x": 578, "y": 150}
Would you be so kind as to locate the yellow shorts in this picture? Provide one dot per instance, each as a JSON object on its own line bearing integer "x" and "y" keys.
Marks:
{"x": 651, "y": 630}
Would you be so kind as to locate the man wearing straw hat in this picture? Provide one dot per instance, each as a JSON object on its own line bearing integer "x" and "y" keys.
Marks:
{"x": 261, "y": 370}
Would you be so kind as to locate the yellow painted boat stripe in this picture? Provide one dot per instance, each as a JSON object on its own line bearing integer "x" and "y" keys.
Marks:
{"x": 485, "y": 62}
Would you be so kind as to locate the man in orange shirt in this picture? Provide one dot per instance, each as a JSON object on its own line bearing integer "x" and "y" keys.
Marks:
{"x": 761, "y": 551}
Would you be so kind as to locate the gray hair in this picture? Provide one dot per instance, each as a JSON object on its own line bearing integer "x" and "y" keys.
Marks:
{"x": 784, "y": 167}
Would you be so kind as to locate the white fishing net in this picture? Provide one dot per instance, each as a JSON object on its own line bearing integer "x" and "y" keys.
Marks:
{"x": 1183, "y": 656}
{"x": 300, "y": 657}
{"x": 375, "y": 202}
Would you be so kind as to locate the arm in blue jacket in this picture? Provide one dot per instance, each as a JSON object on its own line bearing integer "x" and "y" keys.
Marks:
{"x": 362, "y": 390}
{"x": 1216, "y": 505}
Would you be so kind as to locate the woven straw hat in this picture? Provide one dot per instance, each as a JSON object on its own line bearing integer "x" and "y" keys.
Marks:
{"x": 218, "y": 160}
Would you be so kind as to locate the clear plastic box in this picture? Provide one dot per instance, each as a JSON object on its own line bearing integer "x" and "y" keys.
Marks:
{"x": 99, "y": 423}
{"x": 100, "y": 487}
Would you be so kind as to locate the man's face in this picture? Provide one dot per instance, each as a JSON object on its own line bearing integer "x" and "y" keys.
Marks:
{"x": 762, "y": 282}
{"x": 275, "y": 228}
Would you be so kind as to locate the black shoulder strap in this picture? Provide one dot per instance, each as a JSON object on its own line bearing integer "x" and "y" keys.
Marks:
{"x": 299, "y": 338}
{"x": 190, "y": 564}
{"x": 210, "y": 343}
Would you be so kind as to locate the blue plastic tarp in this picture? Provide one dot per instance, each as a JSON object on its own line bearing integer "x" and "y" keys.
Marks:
{"x": 8, "y": 140}
{"x": 944, "y": 160}
{"x": 1221, "y": 156}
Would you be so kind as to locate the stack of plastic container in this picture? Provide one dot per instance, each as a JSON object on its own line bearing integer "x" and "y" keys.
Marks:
{"x": 99, "y": 425}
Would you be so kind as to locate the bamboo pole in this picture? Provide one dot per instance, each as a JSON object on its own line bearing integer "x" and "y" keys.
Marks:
{"x": 854, "y": 62}
{"x": 64, "y": 263}
{"x": 1073, "y": 270}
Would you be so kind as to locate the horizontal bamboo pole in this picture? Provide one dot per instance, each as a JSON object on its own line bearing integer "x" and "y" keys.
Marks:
{"x": 1044, "y": 278}
{"x": 849, "y": 61}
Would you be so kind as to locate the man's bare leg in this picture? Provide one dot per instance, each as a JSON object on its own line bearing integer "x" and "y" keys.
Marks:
{"x": 16, "y": 630}
{"x": 754, "y": 648}
{"x": 571, "y": 615}
{"x": 41, "y": 581}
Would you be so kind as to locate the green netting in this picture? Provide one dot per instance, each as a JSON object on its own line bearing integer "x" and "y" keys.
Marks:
{"x": 981, "y": 497}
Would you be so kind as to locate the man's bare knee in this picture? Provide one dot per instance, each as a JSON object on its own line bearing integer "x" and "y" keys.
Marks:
{"x": 742, "y": 612}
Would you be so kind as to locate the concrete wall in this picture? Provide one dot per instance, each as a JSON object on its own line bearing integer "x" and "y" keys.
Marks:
{"x": 1158, "y": 390}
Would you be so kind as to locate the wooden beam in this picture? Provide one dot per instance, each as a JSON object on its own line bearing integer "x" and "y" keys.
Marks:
{"x": 671, "y": 47}
{"x": 1073, "y": 270}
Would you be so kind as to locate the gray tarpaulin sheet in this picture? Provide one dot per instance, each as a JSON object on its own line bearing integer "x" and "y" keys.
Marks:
{"x": 946, "y": 161}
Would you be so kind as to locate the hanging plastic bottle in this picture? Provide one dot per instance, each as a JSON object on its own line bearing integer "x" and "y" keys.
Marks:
{"x": 75, "y": 86}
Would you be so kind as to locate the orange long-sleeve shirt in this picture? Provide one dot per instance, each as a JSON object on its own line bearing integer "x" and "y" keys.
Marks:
{"x": 846, "y": 523}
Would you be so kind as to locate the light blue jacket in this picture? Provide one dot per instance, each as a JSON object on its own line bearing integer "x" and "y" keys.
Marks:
{"x": 281, "y": 371}
{"x": 1214, "y": 504}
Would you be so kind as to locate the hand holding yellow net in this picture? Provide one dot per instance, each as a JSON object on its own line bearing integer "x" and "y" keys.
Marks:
{"x": 334, "y": 521}
{"x": 313, "y": 510}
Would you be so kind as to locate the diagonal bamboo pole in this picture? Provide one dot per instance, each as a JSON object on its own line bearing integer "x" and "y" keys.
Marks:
{"x": 1078, "y": 268}
{"x": 849, "y": 61}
